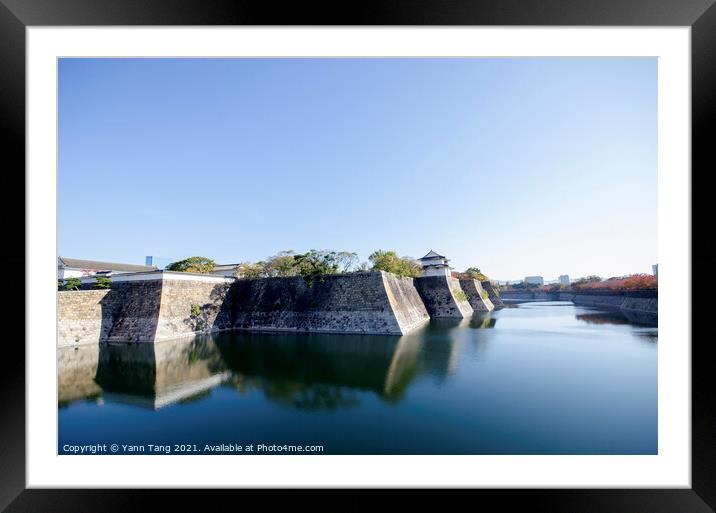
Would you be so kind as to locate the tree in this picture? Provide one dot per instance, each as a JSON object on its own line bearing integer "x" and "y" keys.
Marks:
{"x": 316, "y": 263}
{"x": 390, "y": 262}
{"x": 587, "y": 282}
{"x": 281, "y": 264}
{"x": 347, "y": 261}
{"x": 195, "y": 264}
{"x": 73, "y": 284}
{"x": 102, "y": 282}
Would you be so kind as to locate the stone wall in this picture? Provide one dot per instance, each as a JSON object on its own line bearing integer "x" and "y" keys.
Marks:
{"x": 641, "y": 310}
{"x": 137, "y": 316}
{"x": 371, "y": 303}
{"x": 408, "y": 308}
{"x": 520, "y": 295}
{"x": 493, "y": 295}
{"x": 439, "y": 296}
{"x": 148, "y": 308}
{"x": 474, "y": 291}
{"x": 192, "y": 307}
{"x": 85, "y": 316}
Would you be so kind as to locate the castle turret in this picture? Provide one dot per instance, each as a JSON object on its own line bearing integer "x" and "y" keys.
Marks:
{"x": 434, "y": 265}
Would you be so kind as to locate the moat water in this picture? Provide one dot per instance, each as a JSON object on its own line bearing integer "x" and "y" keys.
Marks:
{"x": 534, "y": 378}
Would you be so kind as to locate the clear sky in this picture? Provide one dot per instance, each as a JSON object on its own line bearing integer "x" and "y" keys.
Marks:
{"x": 518, "y": 166}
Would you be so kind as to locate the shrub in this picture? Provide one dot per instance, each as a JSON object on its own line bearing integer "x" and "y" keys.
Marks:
{"x": 103, "y": 282}
{"x": 460, "y": 295}
{"x": 195, "y": 310}
{"x": 476, "y": 274}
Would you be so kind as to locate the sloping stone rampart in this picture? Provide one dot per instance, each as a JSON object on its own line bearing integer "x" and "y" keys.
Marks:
{"x": 493, "y": 294}
{"x": 371, "y": 303}
{"x": 440, "y": 295}
{"x": 474, "y": 291}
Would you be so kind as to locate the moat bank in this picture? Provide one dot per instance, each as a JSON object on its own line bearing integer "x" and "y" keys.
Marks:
{"x": 161, "y": 305}
{"x": 639, "y": 306}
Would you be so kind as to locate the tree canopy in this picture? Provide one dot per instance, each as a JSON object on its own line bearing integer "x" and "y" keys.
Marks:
{"x": 390, "y": 262}
{"x": 308, "y": 265}
{"x": 195, "y": 264}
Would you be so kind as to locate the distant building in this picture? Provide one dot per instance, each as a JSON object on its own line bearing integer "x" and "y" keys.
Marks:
{"x": 534, "y": 280}
{"x": 76, "y": 268}
{"x": 564, "y": 279}
{"x": 434, "y": 265}
{"x": 655, "y": 269}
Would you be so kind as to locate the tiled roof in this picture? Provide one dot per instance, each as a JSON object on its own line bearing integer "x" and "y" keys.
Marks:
{"x": 431, "y": 255}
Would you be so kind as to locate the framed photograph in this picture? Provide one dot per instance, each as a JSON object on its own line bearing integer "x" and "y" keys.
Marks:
{"x": 417, "y": 248}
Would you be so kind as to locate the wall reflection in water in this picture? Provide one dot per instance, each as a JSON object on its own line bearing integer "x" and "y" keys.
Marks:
{"x": 307, "y": 372}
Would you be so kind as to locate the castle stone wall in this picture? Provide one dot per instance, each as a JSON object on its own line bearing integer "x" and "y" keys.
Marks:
{"x": 85, "y": 316}
{"x": 493, "y": 295}
{"x": 474, "y": 291}
{"x": 440, "y": 296}
{"x": 408, "y": 308}
{"x": 193, "y": 307}
{"x": 350, "y": 303}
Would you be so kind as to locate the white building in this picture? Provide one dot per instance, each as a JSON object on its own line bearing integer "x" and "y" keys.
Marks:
{"x": 564, "y": 279}
{"x": 225, "y": 269}
{"x": 534, "y": 280}
{"x": 434, "y": 265}
{"x": 76, "y": 268}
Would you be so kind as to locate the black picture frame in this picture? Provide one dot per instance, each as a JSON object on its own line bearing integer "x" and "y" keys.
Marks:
{"x": 16, "y": 15}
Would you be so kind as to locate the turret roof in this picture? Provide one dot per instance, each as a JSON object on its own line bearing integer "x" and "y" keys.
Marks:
{"x": 431, "y": 255}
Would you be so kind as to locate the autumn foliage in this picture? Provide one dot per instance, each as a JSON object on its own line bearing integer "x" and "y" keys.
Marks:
{"x": 631, "y": 282}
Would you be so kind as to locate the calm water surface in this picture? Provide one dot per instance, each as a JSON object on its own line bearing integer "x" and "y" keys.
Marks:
{"x": 538, "y": 378}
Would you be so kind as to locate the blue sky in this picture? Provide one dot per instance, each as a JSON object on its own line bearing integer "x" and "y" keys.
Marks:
{"x": 518, "y": 166}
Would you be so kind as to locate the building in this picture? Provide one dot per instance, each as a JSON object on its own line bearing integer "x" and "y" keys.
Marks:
{"x": 434, "y": 265}
{"x": 76, "y": 268}
{"x": 655, "y": 270}
{"x": 534, "y": 280}
{"x": 225, "y": 269}
{"x": 564, "y": 279}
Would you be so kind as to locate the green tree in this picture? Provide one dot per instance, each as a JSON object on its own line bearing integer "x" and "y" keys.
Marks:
{"x": 102, "y": 282}
{"x": 314, "y": 264}
{"x": 390, "y": 262}
{"x": 195, "y": 264}
{"x": 281, "y": 264}
{"x": 72, "y": 284}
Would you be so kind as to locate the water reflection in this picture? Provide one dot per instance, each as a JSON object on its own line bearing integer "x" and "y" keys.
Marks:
{"x": 621, "y": 318}
{"x": 306, "y": 371}
{"x": 602, "y": 318}
{"x": 482, "y": 321}
{"x": 319, "y": 371}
